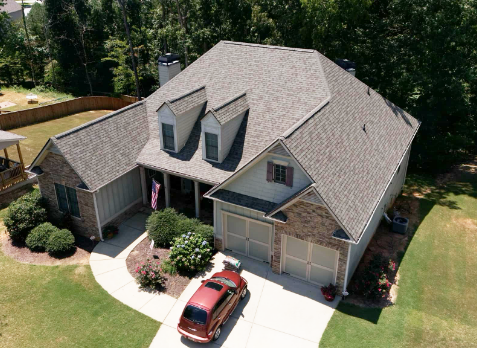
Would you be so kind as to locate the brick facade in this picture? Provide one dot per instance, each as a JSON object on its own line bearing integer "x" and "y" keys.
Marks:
{"x": 312, "y": 223}
{"x": 57, "y": 170}
{"x": 218, "y": 244}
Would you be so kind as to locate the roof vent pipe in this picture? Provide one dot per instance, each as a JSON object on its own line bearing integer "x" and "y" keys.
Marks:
{"x": 168, "y": 66}
{"x": 348, "y": 65}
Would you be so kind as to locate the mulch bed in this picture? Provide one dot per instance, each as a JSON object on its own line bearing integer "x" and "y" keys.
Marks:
{"x": 174, "y": 284}
{"x": 79, "y": 256}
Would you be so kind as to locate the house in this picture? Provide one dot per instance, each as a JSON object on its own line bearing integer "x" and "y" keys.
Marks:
{"x": 299, "y": 158}
{"x": 12, "y": 8}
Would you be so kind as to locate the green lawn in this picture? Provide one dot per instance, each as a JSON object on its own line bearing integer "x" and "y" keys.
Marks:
{"x": 38, "y": 134}
{"x": 63, "y": 306}
{"x": 437, "y": 299}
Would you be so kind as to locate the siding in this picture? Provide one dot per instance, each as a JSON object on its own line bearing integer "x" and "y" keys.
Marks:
{"x": 228, "y": 133}
{"x": 279, "y": 150}
{"x": 254, "y": 182}
{"x": 221, "y": 206}
{"x": 312, "y": 197}
{"x": 118, "y": 195}
{"x": 394, "y": 189}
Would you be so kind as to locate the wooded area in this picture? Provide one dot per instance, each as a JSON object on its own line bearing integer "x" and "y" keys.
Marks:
{"x": 419, "y": 54}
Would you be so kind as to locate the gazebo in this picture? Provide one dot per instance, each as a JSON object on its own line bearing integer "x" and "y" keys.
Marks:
{"x": 11, "y": 172}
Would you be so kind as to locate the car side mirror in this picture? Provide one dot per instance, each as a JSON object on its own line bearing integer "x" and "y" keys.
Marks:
{"x": 203, "y": 280}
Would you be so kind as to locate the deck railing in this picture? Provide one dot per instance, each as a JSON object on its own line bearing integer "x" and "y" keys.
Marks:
{"x": 12, "y": 175}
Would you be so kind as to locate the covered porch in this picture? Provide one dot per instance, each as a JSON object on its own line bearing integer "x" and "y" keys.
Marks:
{"x": 11, "y": 172}
{"x": 183, "y": 194}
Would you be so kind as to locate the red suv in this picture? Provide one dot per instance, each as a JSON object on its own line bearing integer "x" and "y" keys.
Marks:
{"x": 211, "y": 306}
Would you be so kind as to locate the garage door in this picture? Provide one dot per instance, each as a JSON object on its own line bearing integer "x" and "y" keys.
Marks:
{"x": 310, "y": 262}
{"x": 248, "y": 237}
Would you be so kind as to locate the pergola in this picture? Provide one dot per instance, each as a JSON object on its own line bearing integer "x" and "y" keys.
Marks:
{"x": 11, "y": 172}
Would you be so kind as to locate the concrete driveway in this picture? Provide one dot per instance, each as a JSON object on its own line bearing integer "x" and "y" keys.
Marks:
{"x": 279, "y": 311}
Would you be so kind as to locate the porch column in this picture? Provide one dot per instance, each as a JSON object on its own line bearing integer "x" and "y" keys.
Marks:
{"x": 197, "y": 198}
{"x": 167, "y": 189}
{"x": 6, "y": 153}
{"x": 142, "y": 172}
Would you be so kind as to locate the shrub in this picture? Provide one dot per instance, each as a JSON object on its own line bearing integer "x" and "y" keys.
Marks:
{"x": 185, "y": 225}
{"x": 24, "y": 214}
{"x": 206, "y": 232}
{"x": 373, "y": 282}
{"x": 168, "y": 267}
{"x": 162, "y": 227}
{"x": 60, "y": 242}
{"x": 190, "y": 252}
{"x": 61, "y": 220}
{"x": 149, "y": 274}
{"x": 39, "y": 236}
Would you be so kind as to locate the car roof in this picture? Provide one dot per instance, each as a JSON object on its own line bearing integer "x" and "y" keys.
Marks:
{"x": 207, "y": 297}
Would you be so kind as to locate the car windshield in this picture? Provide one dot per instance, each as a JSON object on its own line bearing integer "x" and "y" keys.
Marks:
{"x": 196, "y": 315}
{"x": 225, "y": 281}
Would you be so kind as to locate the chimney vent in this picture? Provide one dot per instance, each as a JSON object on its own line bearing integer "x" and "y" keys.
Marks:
{"x": 168, "y": 66}
{"x": 348, "y": 65}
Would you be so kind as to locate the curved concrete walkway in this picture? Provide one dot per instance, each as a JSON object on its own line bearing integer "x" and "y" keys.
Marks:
{"x": 108, "y": 263}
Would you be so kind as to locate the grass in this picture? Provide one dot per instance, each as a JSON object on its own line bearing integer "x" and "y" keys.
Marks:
{"x": 437, "y": 300}
{"x": 17, "y": 95}
{"x": 63, "y": 306}
{"x": 38, "y": 134}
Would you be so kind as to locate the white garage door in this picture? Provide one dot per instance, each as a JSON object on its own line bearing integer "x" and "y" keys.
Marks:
{"x": 248, "y": 237}
{"x": 310, "y": 262}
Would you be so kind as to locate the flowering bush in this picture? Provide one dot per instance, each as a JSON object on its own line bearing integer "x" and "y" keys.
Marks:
{"x": 329, "y": 292}
{"x": 373, "y": 282}
{"x": 149, "y": 274}
{"x": 190, "y": 252}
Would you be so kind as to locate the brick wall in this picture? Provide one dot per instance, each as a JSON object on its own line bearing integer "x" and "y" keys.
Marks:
{"x": 218, "y": 244}
{"x": 57, "y": 170}
{"x": 315, "y": 224}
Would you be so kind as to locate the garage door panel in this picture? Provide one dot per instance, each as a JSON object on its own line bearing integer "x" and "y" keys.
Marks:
{"x": 237, "y": 244}
{"x": 259, "y": 232}
{"x": 321, "y": 276}
{"x": 297, "y": 248}
{"x": 236, "y": 225}
{"x": 295, "y": 268}
{"x": 258, "y": 251}
{"x": 323, "y": 256}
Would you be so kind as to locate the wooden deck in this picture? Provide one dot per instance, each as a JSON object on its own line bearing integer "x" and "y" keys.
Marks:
{"x": 14, "y": 173}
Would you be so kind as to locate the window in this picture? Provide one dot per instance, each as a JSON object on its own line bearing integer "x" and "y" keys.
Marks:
{"x": 222, "y": 303}
{"x": 195, "y": 314}
{"x": 211, "y": 146}
{"x": 67, "y": 200}
{"x": 280, "y": 174}
{"x": 168, "y": 136}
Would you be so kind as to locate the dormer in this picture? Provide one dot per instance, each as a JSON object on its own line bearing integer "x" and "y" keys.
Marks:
{"x": 220, "y": 126}
{"x": 177, "y": 118}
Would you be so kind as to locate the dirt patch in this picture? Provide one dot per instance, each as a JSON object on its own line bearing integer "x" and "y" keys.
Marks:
{"x": 20, "y": 253}
{"x": 175, "y": 284}
{"x": 465, "y": 223}
{"x": 20, "y": 98}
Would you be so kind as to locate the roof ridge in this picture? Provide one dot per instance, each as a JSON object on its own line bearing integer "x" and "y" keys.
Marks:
{"x": 237, "y": 97}
{"x": 98, "y": 120}
{"x": 303, "y": 50}
{"x": 172, "y": 101}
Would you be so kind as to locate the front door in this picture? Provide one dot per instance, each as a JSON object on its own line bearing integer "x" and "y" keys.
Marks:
{"x": 248, "y": 237}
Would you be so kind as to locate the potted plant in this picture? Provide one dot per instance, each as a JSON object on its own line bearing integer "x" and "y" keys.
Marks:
{"x": 329, "y": 292}
{"x": 110, "y": 231}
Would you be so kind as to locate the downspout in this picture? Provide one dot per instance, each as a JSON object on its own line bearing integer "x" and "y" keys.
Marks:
{"x": 97, "y": 216}
{"x": 345, "y": 284}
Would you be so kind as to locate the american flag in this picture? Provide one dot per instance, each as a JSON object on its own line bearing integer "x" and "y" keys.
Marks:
{"x": 155, "y": 191}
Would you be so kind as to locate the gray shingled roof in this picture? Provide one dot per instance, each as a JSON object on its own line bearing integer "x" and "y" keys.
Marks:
{"x": 103, "y": 149}
{"x": 351, "y": 167}
{"x": 248, "y": 202}
{"x": 10, "y": 6}
{"x": 187, "y": 101}
{"x": 231, "y": 109}
{"x": 282, "y": 86}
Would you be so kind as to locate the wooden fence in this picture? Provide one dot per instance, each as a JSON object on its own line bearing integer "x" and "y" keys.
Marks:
{"x": 27, "y": 117}
{"x": 128, "y": 98}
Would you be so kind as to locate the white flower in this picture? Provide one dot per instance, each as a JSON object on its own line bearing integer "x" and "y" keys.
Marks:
{"x": 171, "y": 248}
{"x": 197, "y": 250}
{"x": 183, "y": 235}
{"x": 187, "y": 242}
{"x": 204, "y": 242}
{"x": 199, "y": 256}
{"x": 192, "y": 257}
{"x": 188, "y": 233}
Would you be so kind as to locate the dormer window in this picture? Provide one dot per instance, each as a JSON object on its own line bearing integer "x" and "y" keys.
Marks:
{"x": 211, "y": 146}
{"x": 280, "y": 174}
{"x": 168, "y": 136}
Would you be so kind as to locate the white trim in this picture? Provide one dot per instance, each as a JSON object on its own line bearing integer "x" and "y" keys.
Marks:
{"x": 247, "y": 234}
{"x": 121, "y": 211}
{"x": 240, "y": 206}
{"x": 307, "y": 116}
{"x": 280, "y": 163}
{"x": 180, "y": 175}
{"x": 215, "y": 219}
{"x": 97, "y": 216}
{"x": 204, "y": 145}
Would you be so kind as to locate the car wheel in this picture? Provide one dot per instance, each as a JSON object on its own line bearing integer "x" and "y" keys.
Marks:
{"x": 217, "y": 334}
{"x": 244, "y": 293}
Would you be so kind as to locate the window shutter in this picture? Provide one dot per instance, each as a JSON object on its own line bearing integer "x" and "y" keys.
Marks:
{"x": 269, "y": 171}
{"x": 289, "y": 176}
